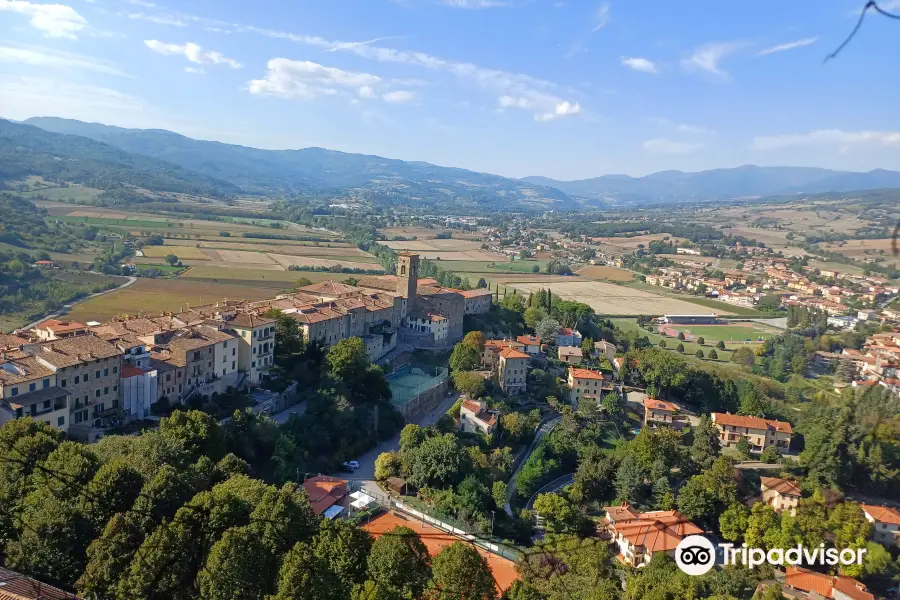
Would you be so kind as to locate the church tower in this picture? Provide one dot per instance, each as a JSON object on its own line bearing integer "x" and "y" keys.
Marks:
{"x": 407, "y": 276}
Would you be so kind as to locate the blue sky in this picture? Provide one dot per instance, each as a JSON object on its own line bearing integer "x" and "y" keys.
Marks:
{"x": 562, "y": 88}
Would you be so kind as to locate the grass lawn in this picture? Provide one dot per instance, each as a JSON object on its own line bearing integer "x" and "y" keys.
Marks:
{"x": 727, "y": 333}
{"x": 285, "y": 277}
{"x": 690, "y": 348}
{"x": 73, "y": 192}
{"x": 165, "y": 269}
{"x": 477, "y": 266}
{"x": 836, "y": 266}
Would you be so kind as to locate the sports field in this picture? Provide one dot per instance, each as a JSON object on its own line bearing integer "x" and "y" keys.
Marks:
{"x": 407, "y": 383}
{"x": 734, "y": 332}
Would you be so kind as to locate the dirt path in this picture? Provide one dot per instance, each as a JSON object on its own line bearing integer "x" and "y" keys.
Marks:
{"x": 67, "y": 307}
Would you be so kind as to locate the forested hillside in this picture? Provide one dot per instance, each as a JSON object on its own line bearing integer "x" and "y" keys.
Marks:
{"x": 26, "y": 150}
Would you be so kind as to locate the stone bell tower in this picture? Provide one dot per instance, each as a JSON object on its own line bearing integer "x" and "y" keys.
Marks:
{"x": 407, "y": 276}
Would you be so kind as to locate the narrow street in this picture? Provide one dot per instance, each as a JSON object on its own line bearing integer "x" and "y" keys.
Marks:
{"x": 541, "y": 432}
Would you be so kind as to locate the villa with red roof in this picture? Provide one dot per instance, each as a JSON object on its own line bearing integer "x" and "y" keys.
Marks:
{"x": 761, "y": 433}
{"x": 641, "y": 535}
{"x": 532, "y": 343}
{"x": 885, "y": 524}
{"x": 780, "y": 494}
{"x": 819, "y": 585}
{"x": 662, "y": 412}
{"x": 585, "y": 383}
{"x": 474, "y": 417}
{"x": 512, "y": 368}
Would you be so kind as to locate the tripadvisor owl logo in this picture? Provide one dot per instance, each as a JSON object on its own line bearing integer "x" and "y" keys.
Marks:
{"x": 695, "y": 555}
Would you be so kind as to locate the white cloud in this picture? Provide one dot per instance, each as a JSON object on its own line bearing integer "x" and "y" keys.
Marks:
{"x": 53, "y": 20}
{"x": 367, "y": 92}
{"x": 143, "y": 3}
{"x": 158, "y": 19}
{"x": 474, "y": 4}
{"x": 563, "y": 109}
{"x": 399, "y": 96}
{"x": 193, "y": 52}
{"x": 601, "y": 16}
{"x": 828, "y": 137}
{"x": 45, "y": 57}
{"x": 639, "y": 64}
{"x": 693, "y": 129}
{"x": 707, "y": 58}
{"x": 788, "y": 46}
{"x": 305, "y": 80}
{"x": 667, "y": 146}
{"x": 544, "y": 107}
{"x": 195, "y": 70}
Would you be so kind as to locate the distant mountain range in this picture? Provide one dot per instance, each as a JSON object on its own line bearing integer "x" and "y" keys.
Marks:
{"x": 160, "y": 160}
{"x": 322, "y": 173}
{"x": 749, "y": 180}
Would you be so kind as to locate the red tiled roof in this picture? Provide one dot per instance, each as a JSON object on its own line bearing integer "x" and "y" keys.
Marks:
{"x": 512, "y": 353}
{"x": 657, "y": 531}
{"x": 824, "y": 585}
{"x": 750, "y": 422}
{"x": 660, "y": 405}
{"x": 529, "y": 340}
{"x": 476, "y": 293}
{"x": 324, "y": 492}
{"x": 784, "y": 487}
{"x": 585, "y": 374}
{"x": 484, "y": 416}
{"x": 16, "y": 586}
{"x": 60, "y": 326}
{"x": 129, "y": 371}
{"x": 883, "y": 514}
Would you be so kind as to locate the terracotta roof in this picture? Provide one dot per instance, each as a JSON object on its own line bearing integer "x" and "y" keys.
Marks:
{"x": 509, "y": 353}
{"x": 387, "y": 283}
{"x": 60, "y": 326}
{"x": 657, "y": 531}
{"x": 72, "y": 351}
{"x": 129, "y": 371}
{"x": 824, "y": 585}
{"x": 11, "y": 341}
{"x": 882, "y": 514}
{"x": 428, "y": 281}
{"x": 655, "y": 404}
{"x": 485, "y": 416}
{"x": 325, "y": 491}
{"x": 16, "y": 586}
{"x": 476, "y": 293}
{"x": 784, "y": 487}
{"x": 22, "y": 370}
{"x": 585, "y": 374}
{"x": 529, "y": 340}
{"x": 750, "y": 422}
{"x": 565, "y": 331}
{"x": 329, "y": 288}
{"x": 249, "y": 320}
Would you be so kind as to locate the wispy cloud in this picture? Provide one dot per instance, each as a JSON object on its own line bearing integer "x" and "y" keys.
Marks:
{"x": 25, "y": 97}
{"x": 828, "y": 137}
{"x": 544, "y": 107}
{"x": 193, "y": 52}
{"x": 668, "y": 146}
{"x": 306, "y": 80}
{"x": 787, "y": 46}
{"x": 706, "y": 58}
{"x": 639, "y": 64}
{"x": 159, "y": 19}
{"x": 45, "y": 57}
{"x": 52, "y": 20}
{"x": 601, "y": 16}
{"x": 195, "y": 70}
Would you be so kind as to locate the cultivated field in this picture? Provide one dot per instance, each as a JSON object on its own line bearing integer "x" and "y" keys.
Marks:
{"x": 607, "y": 273}
{"x": 611, "y": 299}
{"x": 627, "y": 245}
{"x": 153, "y": 296}
{"x": 453, "y": 249}
{"x": 858, "y": 249}
{"x": 687, "y": 257}
{"x": 182, "y": 252}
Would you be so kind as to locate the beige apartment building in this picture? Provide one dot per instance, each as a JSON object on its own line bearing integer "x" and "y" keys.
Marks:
{"x": 255, "y": 344}
{"x": 512, "y": 368}
{"x": 663, "y": 413}
{"x": 585, "y": 383}
{"x": 29, "y": 389}
{"x": 780, "y": 494}
{"x": 761, "y": 433}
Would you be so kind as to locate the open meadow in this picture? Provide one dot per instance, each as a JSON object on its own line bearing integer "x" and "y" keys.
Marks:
{"x": 446, "y": 250}
{"x": 612, "y": 299}
{"x": 606, "y": 273}
{"x": 860, "y": 249}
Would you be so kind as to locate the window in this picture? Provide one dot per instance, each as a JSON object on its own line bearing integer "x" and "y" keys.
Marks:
{"x": 62, "y": 382}
{"x": 115, "y": 369}
{"x": 15, "y": 391}
{"x": 233, "y": 350}
{"x": 115, "y": 388}
{"x": 46, "y": 405}
{"x": 76, "y": 380}
{"x": 253, "y": 364}
{"x": 403, "y": 270}
{"x": 106, "y": 391}
{"x": 32, "y": 387}
{"x": 60, "y": 421}
{"x": 97, "y": 393}
{"x": 97, "y": 375}
{"x": 46, "y": 383}
{"x": 105, "y": 372}
{"x": 232, "y": 365}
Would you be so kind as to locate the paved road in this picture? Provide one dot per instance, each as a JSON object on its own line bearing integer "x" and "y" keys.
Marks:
{"x": 67, "y": 307}
{"x": 541, "y": 432}
{"x": 365, "y": 474}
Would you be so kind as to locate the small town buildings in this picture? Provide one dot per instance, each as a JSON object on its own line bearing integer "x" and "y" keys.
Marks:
{"x": 641, "y": 535}
{"x": 474, "y": 417}
{"x": 53, "y": 329}
{"x": 328, "y": 496}
{"x": 477, "y": 301}
{"x": 780, "y": 494}
{"x": 567, "y": 336}
{"x": 885, "y": 524}
{"x": 585, "y": 383}
{"x": 491, "y": 355}
{"x": 532, "y": 343}
{"x": 30, "y": 389}
{"x": 604, "y": 348}
{"x": 662, "y": 413}
{"x": 815, "y": 586}
{"x": 760, "y": 433}
{"x": 512, "y": 368}
{"x": 570, "y": 355}
{"x": 842, "y": 322}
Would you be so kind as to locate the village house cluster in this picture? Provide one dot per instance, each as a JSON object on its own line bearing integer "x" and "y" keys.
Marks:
{"x": 878, "y": 362}
{"x": 86, "y": 378}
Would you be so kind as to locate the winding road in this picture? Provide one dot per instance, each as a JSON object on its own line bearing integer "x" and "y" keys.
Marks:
{"x": 67, "y": 307}
{"x": 541, "y": 432}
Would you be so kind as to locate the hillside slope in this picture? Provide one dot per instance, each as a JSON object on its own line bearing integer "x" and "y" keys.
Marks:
{"x": 26, "y": 150}
{"x": 323, "y": 173}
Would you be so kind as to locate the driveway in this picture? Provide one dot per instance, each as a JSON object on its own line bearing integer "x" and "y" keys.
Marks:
{"x": 541, "y": 432}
